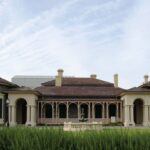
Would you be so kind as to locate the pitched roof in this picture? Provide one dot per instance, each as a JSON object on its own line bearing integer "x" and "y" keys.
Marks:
{"x": 80, "y": 87}
{"x": 142, "y": 88}
{"x": 80, "y": 91}
{"x": 7, "y": 83}
{"x": 72, "y": 81}
{"x": 23, "y": 89}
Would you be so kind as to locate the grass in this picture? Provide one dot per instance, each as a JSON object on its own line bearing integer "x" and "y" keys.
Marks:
{"x": 56, "y": 139}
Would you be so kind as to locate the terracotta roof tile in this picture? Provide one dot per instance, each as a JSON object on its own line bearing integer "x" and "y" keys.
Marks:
{"x": 80, "y": 91}
{"x": 141, "y": 88}
{"x": 7, "y": 83}
{"x": 79, "y": 82}
{"x": 80, "y": 87}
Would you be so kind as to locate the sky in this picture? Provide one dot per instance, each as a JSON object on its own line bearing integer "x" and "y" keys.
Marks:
{"x": 82, "y": 37}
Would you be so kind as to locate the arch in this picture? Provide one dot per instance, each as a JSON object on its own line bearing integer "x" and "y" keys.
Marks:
{"x": 138, "y": 111}
{"x": 62, "y": 110}
{"x": 73, "y": 110}
{"x": 112, "y": 110}
{"x": 98, "y": 111}
{"x": 47, "y": 110}
{"x": 21, "y": 111}
{"x": 84, "y": 108}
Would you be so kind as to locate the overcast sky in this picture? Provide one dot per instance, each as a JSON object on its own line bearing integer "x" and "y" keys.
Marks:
{"x": 81, "y": 36}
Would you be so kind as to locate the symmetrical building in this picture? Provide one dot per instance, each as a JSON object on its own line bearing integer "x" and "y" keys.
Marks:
{"x": 66, "y": 99}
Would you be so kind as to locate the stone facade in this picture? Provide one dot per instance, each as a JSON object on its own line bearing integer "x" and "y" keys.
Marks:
{"x": 68, "y": 99}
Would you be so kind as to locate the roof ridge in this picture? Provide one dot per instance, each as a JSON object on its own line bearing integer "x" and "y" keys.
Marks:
{"x": 82, "y": 81}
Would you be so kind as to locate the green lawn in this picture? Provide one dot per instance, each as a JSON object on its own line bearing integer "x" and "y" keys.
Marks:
{"x": 56, "y": 139}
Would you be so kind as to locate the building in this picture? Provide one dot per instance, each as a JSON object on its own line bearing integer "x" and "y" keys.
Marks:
{"x": 66, "y": 98}
{"x": 4, "y": 86}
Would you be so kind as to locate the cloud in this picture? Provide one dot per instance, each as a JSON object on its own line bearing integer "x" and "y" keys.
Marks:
{"x": 82, "y": 37}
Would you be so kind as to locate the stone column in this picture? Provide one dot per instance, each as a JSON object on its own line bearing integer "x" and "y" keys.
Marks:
{"x": 52, "y": 111}
{"x": 78, "y": 111}
{"x": 28, "y": 115}
{"x": 12, "y": 115}
{"x": 128, "y": 120}
{"x": 103, "y": 110}
{"x": 145, "y": 116}
{"x": 132, "y": 114}
{"x": 33, "y": 115}
{"x": 121, "y": 112}
{"x": 93, "y": 111}
{"x": 67, "y": 111}
{"x": 126, "y": 115}
{"x": 117, "y": 112}
{"x": 89, "y": 112}
{"x": 107, "y": 111}
{"x": 56, "y": 112}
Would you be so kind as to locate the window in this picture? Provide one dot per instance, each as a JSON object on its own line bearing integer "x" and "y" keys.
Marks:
{"x": 1, "y": 102}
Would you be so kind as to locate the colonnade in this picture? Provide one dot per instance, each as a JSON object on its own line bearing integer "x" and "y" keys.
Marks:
{"x": 105, "y": 111}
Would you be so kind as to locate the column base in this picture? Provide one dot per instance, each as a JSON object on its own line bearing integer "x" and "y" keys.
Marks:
{"x": 146, "y": 124}
{"x": 129, "y": 124}
{"x": 30, "y": 124}
{"x": 12, "y": 124}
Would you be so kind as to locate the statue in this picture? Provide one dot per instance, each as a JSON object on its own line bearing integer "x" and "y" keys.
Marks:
{"x": 83, "y": 116}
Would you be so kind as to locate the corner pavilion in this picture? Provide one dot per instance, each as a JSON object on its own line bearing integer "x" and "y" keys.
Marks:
{"x": 65, "y": 98}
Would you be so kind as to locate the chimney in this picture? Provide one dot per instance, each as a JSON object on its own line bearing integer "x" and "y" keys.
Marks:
{"x": 146, "y": 79}
{"x": 93, "y": 76}
{"x": 58, "y": 80}
{"x": 60, "y": 72}
{"x": 116, "y": 80}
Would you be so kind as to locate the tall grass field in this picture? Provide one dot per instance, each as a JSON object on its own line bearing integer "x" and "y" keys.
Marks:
{"x": 57, "y": 139}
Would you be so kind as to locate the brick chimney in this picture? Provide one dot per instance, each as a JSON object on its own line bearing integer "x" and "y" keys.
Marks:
{"x": 58, "y": 80}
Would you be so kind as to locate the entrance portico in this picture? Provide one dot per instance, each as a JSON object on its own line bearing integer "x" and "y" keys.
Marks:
{"x": 136, "y": 110}
{"x": 22, "y": 108}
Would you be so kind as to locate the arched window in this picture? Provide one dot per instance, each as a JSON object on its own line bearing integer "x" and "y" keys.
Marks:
{"x": 48, "y": 110}
{"x": 98, "y": 111}
{"x": 73, "y": 111}
{"x": 62, "y": 111}
{"x": 112, "y": 110}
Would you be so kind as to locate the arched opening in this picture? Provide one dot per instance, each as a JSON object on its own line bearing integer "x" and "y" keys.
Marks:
{"x": 84, "y": 110}
{"x": 73, "y": 111}
{"x": 112, "y": 110}
{"x": 21, "y": 111}
{"x": 62, "y": 111}
{"x": 138, "y": 111}
{"x": 98, "y": 111}
{"x": 48, "y": 110}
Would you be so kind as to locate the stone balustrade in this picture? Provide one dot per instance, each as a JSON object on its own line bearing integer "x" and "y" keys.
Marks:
{"x": 82, "y": 126}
